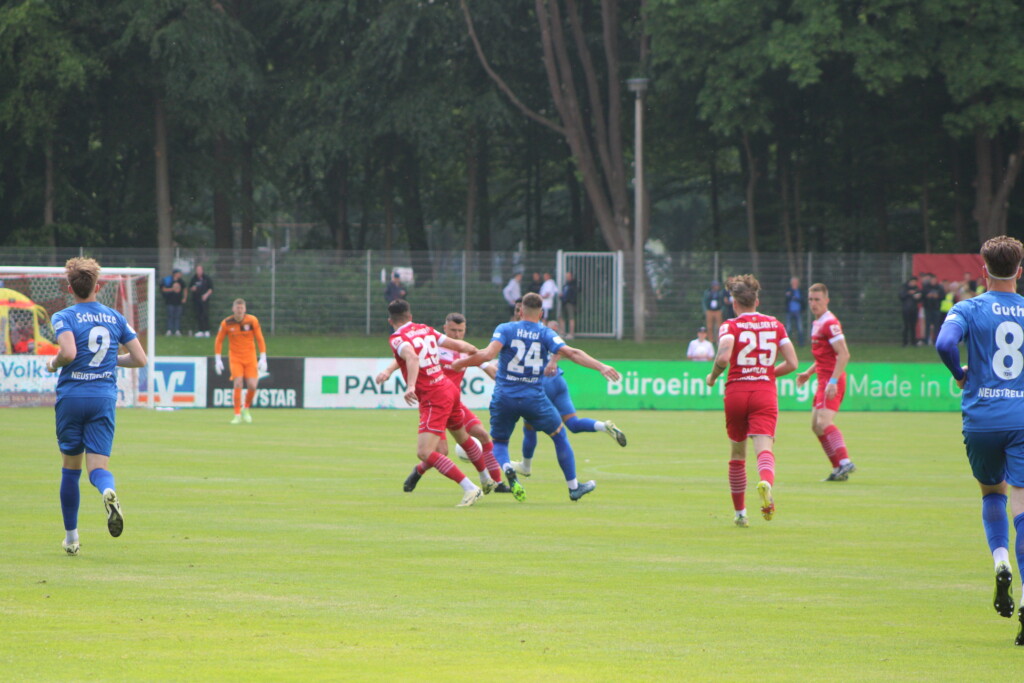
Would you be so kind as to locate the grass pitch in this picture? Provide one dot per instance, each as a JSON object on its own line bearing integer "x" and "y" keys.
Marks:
{"x": 286, "y": 550}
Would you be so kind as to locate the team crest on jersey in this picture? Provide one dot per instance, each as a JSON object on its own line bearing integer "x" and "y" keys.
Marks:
{"x": 246, "y": 327}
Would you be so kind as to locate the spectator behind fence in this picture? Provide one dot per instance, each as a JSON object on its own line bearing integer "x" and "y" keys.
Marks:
{"x": 175, "y": 297}
{"x": 933, "y": 293}
{"x": 394, "y": 289}
{"x": 952, "y": 291}
{"x": 569, "y": 294}
{"x": 534, "y": 284}
{"x": 548, "y": 293}
{"x": 712, "y": 304}
{"x": 201, "y": 287}
{"x": 701, "y": 348}
{"x": 513, "y": 292}
{"x": 910, "y": 298}
{"x": 796, "y": 303}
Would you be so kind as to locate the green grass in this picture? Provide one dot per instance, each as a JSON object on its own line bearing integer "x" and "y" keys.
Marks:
{"x": 659, "y": 349}
{"x": 286, "y": 550}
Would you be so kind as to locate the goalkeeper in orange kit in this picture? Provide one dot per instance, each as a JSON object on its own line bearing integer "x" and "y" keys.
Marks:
{"x": 241, "y": 329}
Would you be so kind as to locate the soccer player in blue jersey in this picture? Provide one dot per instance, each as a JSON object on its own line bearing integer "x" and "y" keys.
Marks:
{"x": 519, "y": 393}
{"x": 89, "y": 335}
{"x": 992, "y": 328}
{"x": 558, "y": 393}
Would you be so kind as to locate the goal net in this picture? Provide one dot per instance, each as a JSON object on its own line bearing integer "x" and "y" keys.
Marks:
{"x": 27, "y": 338}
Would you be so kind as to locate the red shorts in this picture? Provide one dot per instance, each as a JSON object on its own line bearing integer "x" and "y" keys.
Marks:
{"x": 441, "y": 409}
{"x": 819, "y": 395}
{"x": 469, "y": 420}
{"x": 750, "y": 413}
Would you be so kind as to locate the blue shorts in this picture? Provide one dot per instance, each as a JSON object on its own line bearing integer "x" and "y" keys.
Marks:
{"x": 996, "y": 456}
{"x": 536, "y": 410}
{"x": 558, "y": 391}
{"x": 85, "y": 424}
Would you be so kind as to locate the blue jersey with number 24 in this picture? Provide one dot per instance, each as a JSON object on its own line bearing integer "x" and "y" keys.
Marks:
{"x": 98, "y": 330}
{"x": 993, "y": 327}
{"x": 524, "y": 350}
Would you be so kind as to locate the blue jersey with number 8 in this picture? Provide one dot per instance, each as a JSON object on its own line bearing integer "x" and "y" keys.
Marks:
{"x": 98, "y": 330}
{"x": 993, "y": 327}
{"x": 524, "y": 353}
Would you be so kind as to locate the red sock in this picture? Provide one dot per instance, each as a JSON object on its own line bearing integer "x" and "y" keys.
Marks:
{"x": 833, "y": 445}
{"x": 492, "y": 464}
{"x": 422, "y": 467}
{"x": 475, "y": 455}
{"x": 766, "y": 466}
{"x": 445, "y": 467}
{"x": 237, "y": 402}
{"x": 250, "y": 394}
{"x": 738, "y": 483}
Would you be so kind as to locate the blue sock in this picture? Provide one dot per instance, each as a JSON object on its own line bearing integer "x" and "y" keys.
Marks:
{"x": 566, "y": 459}
{"x": 69, "y": 497}
{"x": 580, "y": 424}
{"x": 993, "y": 517}
{"x": 102, "y": 479}
{"x": 501, "y": 453}
{"x": 1018, "y": 524}
{"x": 529, "y": 443}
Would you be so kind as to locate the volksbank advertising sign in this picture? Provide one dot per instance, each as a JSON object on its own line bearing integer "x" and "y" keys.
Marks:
{"x": 663, "y": 385}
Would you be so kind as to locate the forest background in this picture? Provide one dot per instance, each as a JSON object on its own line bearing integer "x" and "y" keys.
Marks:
{"x": 770, "y": 125}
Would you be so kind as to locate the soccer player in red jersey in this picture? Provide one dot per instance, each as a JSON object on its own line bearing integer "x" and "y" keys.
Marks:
{"x": 415, "y": 347}
{"x": 481, "y": 456}
{"x": 748, "y": 346}
{"x": 828, "y": 344}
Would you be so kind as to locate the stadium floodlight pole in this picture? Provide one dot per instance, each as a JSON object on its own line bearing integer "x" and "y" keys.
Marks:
{"x": 639, "y": 87}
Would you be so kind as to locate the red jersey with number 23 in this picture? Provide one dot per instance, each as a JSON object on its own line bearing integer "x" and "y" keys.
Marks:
{"x": 425, "y": 341}
{"x": 825, "y": 331}
{"x": 756, "y": 342}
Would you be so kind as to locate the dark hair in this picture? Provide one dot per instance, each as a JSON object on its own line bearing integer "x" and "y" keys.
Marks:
{"x": 456, "y": 318}
{"x": 744, "y": 289}
{"x": 398, "y": 309}
{"x": 1002, "y": 256}
{"x": 532, "y": 300}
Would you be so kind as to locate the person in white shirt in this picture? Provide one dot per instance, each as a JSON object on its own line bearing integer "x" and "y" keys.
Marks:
{"x": 701, "y": 348}
{"x": 513, "y": 292}
{"x": 548, "y": 292}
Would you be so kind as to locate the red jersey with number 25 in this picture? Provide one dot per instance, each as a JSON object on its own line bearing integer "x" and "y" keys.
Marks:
{"x": 425, "y": 341}
{"x": 756, "y": 342}
{"x": 825, "y": 331}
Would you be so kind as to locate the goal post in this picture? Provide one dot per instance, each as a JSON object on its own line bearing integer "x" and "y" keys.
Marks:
{"x": 131, "y": 291}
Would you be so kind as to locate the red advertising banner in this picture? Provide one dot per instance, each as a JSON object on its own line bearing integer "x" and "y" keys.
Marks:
{"x": 949, "y": 267}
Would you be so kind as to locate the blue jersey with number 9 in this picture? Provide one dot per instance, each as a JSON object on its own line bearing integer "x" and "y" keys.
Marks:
{"x": 98, "y": 330}
{"x": 524, "y": 353}
{"x": 993, "y": 327}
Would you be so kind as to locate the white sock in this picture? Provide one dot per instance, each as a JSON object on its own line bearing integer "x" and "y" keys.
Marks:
{"x": 1001, "y": 556}
{"x": 742, "y": 512}
{"x": 71, "y": 536}
{"x": 844, "y": 461}
{"x": 485, "y": 478}
{"x": 466, "y": 484}
{"x": 526, "y": 464}
{"x": 573, "y": 484}
{"x": 598, "y": 426}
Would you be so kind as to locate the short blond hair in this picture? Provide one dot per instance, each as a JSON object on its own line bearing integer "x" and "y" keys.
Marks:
{"x": 818, "y": 287}
{"x": 83, "y": 274}
{"x": 238, "y": 301}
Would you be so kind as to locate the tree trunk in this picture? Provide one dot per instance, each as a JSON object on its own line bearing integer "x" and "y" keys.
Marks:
{"x": 338, "y": 193}
{"x": 472, "y": 162}
{"x": 959, "y": 218}
{"x": 752, "y": 176}
{"x": 483, "y": 185}
{"x": 925, "y": 218}
{"x": 575, "y": 199}
{"x": 164, "y": 233}
{"x": 248, "y": 204}
{"x": 716, "y": 220}
{"x": 48, "y": 194}
{"x": 412, "y": 209}
{"x": 782, "y": 164}
{"x": 223, "y": 231}
{"x": 991, "y": 205}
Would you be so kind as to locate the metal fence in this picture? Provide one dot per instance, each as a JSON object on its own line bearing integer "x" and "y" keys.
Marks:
{"x": 330, "y": 292}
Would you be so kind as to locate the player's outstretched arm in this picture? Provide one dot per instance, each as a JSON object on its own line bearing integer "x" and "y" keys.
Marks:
{"x": 789, "y": 361}
{"x": 412, "y": 367}
{"x": 136, "y": 356}
{"x": 385, "y": 374}
{"x": 721, "y": 360}
{"x": 66, "y": 354}
{"x": 479, "y": 358}
{"x": 490, "y": 369}
{"x": 459, "y": 345}
{"x": 581, "y": 357}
